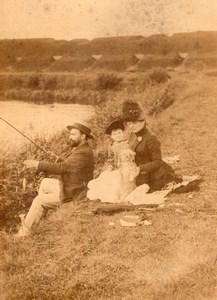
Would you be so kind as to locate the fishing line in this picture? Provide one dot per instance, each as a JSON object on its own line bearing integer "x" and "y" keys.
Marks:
{"x": 26, "y": 137}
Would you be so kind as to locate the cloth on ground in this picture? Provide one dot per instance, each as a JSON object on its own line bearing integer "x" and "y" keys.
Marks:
{"x": 141, "y": 196}
{"x": 106, "y": 188}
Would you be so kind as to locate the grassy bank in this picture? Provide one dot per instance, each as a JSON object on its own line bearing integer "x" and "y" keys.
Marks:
{"x": 155, "y": 97}
{"x": 81, "y": 88}
{"x": 76, "y": 255}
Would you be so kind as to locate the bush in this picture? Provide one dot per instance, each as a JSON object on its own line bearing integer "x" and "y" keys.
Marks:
{"x": 2, "y": 83}
{"x": 158, "y": 75}
{"x": 139, "y": 85}
{"x": 14, "y": 199}
{"x": 66, "y": 81}
{"x": 107, "y": 81}
{"x": 49, "y": 82}
{"x": 104, "y": 112}
{"x": 156, "y": 99}
{"x": 15, "y": 81}
{"x": 33, "y": 82}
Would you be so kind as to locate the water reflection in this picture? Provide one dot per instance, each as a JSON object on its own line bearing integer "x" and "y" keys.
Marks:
{"x": 37, "y": 120}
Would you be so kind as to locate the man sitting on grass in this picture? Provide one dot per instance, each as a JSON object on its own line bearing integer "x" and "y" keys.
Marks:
{"x": 75, "y": 172}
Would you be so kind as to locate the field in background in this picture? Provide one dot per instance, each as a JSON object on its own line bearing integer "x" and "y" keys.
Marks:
{"x": 110, "y": 53}
{"x": 79, "y": 256}
{"x": 80, "y": 88}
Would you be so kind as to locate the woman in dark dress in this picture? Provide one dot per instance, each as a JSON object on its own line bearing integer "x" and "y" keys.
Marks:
{"x": 153, "y": 170}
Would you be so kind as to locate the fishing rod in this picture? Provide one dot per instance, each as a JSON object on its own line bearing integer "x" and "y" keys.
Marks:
{"x": 28, "y": 138}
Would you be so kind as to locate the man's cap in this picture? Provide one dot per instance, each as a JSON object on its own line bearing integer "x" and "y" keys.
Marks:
{"x": 132, "y": 111}
{"x": 117, "y": 123}
{"x": 83, "y": 126}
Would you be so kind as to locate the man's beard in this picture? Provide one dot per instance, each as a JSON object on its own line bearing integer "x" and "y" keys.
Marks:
{"x": 73, "y": 143}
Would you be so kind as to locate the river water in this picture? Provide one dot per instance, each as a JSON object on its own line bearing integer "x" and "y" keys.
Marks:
{"x": 37, "y": 120}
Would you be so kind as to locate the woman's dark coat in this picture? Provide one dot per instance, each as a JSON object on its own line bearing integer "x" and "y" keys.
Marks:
{"x": 153, "y": 170}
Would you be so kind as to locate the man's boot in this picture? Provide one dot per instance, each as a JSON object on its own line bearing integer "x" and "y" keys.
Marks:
{"x": 23, "y": 231}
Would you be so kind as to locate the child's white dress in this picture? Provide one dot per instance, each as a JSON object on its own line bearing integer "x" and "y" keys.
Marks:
{"x": 106, "y": 186}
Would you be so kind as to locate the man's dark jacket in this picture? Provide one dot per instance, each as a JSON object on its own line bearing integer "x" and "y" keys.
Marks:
{"x": 76, "y": 171}
{"x": 153, "y": 170}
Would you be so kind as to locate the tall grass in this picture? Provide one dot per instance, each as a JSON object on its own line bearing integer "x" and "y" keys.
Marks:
{"x": 158, "y": 75}
{"x": 108, "y": 81}
{"x": 14, "y": 199}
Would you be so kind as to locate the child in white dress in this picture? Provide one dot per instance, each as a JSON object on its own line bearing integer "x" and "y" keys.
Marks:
{"x": 118, "y": 141}
{"x": 107, "y": 186}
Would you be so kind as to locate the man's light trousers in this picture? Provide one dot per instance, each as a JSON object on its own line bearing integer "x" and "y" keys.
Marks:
{"x": 48, "y": 197}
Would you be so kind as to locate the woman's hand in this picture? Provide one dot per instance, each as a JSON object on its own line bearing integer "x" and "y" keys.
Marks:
{"x": 134, "y": 173}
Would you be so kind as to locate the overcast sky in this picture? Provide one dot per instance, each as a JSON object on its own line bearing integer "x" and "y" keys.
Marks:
{"x": 70, "y": 19}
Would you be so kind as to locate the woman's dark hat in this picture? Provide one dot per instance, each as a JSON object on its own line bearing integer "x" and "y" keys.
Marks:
{"x": 117, "y": 123}
{"x": 84, "y": 127}
{"x": 132, "y": 111}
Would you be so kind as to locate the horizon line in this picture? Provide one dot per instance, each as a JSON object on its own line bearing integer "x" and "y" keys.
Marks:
{"x": 117, "y": 36}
